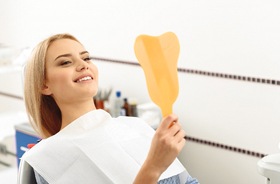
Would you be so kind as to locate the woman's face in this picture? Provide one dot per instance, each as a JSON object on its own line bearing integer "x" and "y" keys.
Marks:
{"x": 70, "y": 74}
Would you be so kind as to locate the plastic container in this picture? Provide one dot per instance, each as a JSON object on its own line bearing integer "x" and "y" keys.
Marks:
{"x": 118, "y": 103}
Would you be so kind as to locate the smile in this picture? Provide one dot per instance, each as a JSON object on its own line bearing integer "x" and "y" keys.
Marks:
{"x": 84, "y": 79}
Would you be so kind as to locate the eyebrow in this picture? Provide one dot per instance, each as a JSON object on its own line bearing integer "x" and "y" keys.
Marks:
{"x": 68, "y": 55}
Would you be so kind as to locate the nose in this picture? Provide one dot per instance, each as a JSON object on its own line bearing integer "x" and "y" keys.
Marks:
{"x": 82, "y": 66}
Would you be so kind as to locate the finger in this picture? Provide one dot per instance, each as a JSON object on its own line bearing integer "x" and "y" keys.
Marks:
{"x": 173, "y": 122}
{"x": 180, "y": 135}
{"x": 181, "y": 144}
{"x": 176, "y": 127}
{"x": 168, "y": 121}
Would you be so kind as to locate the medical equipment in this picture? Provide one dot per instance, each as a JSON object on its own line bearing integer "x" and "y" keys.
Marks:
{"x": 269, "y": 167}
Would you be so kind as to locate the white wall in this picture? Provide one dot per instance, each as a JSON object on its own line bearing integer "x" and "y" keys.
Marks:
{"x": 234, "y": 36}
{"x": 239, "y": 37}
{"x": 11, "y": 89}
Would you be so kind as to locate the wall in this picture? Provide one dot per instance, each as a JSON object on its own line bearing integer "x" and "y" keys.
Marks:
{"x": 229, "y": 100}
{"x": 11, "y": 91}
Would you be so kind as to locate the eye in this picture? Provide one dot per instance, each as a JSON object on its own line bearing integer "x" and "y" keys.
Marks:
{"x": 65, "y": 63}
{"x": 87, "y": 59}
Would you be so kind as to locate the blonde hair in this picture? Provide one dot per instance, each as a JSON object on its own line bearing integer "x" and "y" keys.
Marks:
{"x": 43, "y": 112}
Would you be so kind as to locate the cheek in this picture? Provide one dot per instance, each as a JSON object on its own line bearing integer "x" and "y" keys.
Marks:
{"x": 94, "y": 70}
{"x": 96, "y": 74}
{"x": 58, "y": 79}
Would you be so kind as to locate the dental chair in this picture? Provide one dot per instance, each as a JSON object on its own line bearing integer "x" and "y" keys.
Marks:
{"x": 269, "y": 167}
{"x": 26, "y": 174}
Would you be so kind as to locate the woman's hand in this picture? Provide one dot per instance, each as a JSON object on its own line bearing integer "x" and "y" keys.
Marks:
{"x": 167, "y": 143}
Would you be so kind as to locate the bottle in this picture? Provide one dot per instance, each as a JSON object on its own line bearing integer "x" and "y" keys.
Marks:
{"x": 133, "y": 107}
{"x": 118, "y": 102}
{"x": 125, "y": 111}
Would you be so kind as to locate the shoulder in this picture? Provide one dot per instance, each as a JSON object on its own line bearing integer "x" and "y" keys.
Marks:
{"x": 48, "y": 150}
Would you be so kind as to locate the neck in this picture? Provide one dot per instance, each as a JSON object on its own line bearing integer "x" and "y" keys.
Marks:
{"x": 70, "y": 112}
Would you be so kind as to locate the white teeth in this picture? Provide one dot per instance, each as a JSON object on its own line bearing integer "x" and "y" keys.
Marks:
{"x": 84, "y": 79}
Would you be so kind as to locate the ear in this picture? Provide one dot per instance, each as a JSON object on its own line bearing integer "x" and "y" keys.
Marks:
{"x": 46, "y": 90}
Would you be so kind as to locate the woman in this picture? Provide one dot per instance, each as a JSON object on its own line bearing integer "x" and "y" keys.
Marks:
{"x": 84, "y": 145}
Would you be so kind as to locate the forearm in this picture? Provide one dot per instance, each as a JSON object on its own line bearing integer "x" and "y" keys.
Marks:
{"x": 147, "y": 174}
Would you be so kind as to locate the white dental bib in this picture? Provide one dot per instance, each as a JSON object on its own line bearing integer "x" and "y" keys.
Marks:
{"x": 96, "y": 148}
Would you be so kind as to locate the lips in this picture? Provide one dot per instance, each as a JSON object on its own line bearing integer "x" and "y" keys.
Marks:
{"x": 83, "y": 78}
